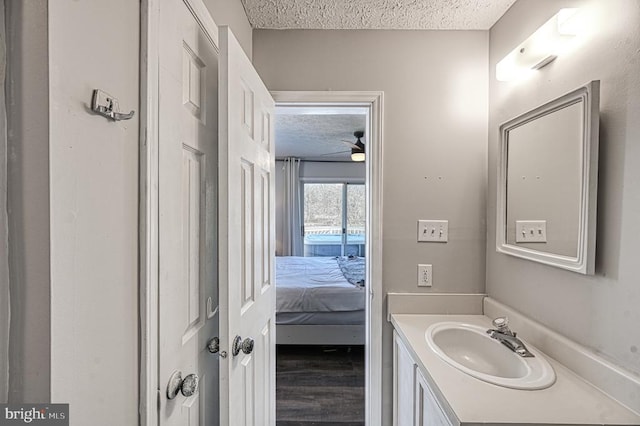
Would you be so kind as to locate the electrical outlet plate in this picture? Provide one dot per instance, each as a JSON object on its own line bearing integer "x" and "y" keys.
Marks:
{"x": 425, "y": 275}
{"x": 531, "y": 231}
{"x": 433, "y": 230}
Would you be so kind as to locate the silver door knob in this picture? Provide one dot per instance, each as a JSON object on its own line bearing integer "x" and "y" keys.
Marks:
{"x": 187, "y": 386}
{"x": 245, "y": 345}
{"x": 214, "y": 347}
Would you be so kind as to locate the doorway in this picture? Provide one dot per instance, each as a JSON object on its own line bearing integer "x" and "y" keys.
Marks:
{"x": 152, "y": 386}
{"x": 352, "y": 345}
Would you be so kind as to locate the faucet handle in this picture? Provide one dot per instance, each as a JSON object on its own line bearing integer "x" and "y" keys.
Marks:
{"x": 501, "y": 323}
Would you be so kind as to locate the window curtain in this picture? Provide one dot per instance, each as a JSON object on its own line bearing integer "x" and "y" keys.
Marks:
{"x": 292, "y": 244}
{"x": 4, "y": 226}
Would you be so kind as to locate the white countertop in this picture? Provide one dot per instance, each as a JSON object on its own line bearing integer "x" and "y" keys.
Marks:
{"x": 569, "y": 401}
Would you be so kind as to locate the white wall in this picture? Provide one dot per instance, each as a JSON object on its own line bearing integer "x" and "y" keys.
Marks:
{"x": 312, "y": 170}
{"x": 94, "y": 211}
{"x": 435, "y": 87}
{"x": 598, "y": 311}
{"x": 28, "y": 200}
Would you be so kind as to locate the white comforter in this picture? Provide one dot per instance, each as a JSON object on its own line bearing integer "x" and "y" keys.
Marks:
{"x": 314, "y": 284}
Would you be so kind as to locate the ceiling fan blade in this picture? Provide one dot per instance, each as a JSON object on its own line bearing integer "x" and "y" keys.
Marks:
{"x": 334, "y": 153}
{"x": 351, "y": 144}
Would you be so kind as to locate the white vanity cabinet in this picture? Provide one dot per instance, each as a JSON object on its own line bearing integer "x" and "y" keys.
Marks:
{"x": 413, "y": 401}
{"x": 404, "y": 384}
{"x": 428, "y": 411}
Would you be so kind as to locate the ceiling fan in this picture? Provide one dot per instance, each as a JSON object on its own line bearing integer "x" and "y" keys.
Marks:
{"x": 357, "y": 149}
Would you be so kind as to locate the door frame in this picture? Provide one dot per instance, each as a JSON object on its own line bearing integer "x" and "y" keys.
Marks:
{"x": 148, "y": 212}
{"x": 373, "y": 248}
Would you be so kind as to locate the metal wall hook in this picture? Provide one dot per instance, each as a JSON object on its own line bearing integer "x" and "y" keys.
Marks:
{"x": 108, "y": 106}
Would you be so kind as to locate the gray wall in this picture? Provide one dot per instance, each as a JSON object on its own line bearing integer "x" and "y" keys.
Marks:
{"x": 4, "y": 222}
{"x": 231, "y": 13}
{"x": 599, "y": 311}
{"x": 28, "y": 199}
{"x": 435, "y": 132}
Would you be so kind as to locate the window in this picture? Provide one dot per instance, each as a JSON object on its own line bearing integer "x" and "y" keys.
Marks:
{"x": 334, "y": 219}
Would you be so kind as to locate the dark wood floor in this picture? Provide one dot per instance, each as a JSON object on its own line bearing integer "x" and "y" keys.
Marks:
{"x": 319, "y": 385}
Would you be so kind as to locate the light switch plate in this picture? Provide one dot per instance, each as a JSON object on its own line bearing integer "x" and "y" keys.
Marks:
{"x": 531, "y": 231}
{"x": 425, "y": 275}
{"x": 433, "y": 230}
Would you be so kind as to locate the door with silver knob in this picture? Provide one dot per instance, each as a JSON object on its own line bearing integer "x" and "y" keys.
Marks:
{"x": 187, "y": 161}
{"x": 246, "y": 212}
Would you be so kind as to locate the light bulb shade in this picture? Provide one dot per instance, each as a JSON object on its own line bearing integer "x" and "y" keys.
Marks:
{"x": 357, "y": 153}
{"x": 357, "y": 156}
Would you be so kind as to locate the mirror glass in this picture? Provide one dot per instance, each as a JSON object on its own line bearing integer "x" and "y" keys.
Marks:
{"x": 547, "y": 182}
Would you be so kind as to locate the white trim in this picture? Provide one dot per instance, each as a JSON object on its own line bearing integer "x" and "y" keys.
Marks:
{"x": 148, "y": 202}
{"x": 204, "y": 19}
{"x": 584, "y": 261}
{"x": 373, "y": 354}
{"x": 434, "y": 303}
{"x": 148, "y": 212}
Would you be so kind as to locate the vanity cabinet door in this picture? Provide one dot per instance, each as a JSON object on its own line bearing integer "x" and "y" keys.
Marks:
{"x": 427, "y": 409}
{"x": 404, "y": 375}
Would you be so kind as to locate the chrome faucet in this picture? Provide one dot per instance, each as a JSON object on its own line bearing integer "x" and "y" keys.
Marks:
{"x": 504, "y": 335}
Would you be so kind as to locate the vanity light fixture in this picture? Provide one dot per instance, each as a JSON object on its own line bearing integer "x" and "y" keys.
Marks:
{"x": 541, "y": 47}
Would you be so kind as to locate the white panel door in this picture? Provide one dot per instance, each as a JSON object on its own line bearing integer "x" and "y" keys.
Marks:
{"x": 188, "y": 133}
{"x": 247, "y": 229}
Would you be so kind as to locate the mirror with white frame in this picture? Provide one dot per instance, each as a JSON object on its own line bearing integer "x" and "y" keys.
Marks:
{"x": 547, "y": 182}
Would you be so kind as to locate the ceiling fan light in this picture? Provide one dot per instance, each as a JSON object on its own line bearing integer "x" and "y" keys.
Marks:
{"x": 357, "y": 156}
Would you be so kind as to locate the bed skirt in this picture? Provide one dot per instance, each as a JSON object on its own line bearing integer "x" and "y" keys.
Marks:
{"x": 320, "y": 334}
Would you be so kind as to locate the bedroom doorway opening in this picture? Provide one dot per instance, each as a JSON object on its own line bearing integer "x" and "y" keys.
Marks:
{"x": 328, "y": 268}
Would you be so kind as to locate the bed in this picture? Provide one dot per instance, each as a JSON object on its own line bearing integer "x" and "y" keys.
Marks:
{"x": 320, "y": 300}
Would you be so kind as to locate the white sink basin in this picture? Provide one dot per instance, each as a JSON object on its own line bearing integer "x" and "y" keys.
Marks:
{"x": 470, "y": 349}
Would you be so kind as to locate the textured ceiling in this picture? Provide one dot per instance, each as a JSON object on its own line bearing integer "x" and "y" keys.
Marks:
{"x": 376, "y": 14}
{"x": 317, "y": 135}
